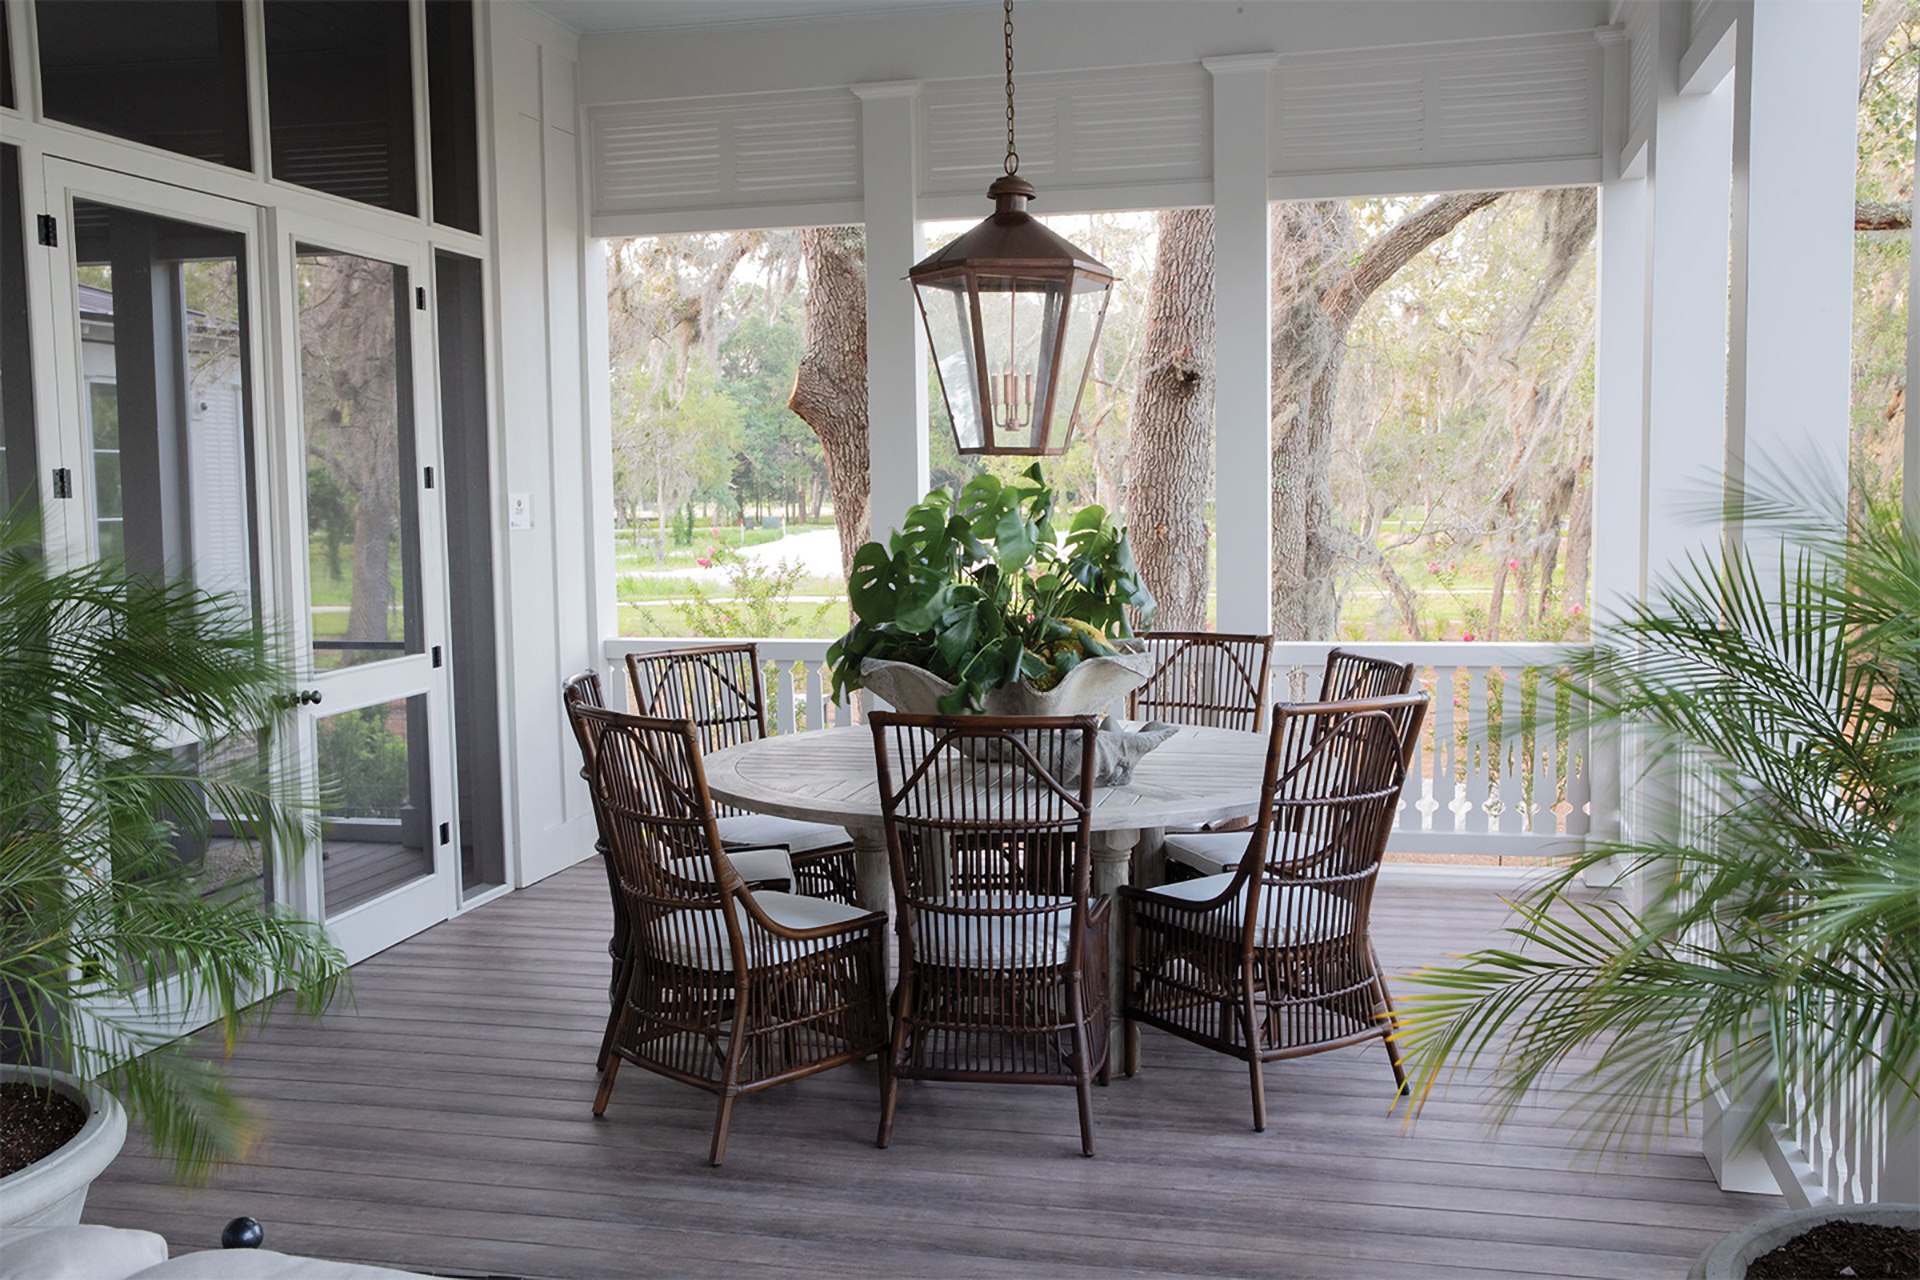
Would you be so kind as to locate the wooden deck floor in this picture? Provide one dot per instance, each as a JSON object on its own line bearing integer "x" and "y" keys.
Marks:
{"x": 443, "y": 1124}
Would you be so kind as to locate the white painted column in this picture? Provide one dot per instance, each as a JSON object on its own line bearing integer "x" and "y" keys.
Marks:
{"x": 1796, "y": 112}
{"x": 896, "y": 355}
{"x": 1619, "y": 436}
{"x": 1686, "y": 316}
{"x": 1243, "y": 343}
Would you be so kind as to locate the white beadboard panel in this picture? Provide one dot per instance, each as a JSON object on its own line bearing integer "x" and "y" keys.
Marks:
{"x": 1128, "y": 127}
{"x": 1466, "y": 102}
{"x": 740, "y": 150}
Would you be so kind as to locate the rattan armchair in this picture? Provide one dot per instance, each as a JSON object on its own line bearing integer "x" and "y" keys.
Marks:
{"x": 1205, "y": 678}
{"x": 722, "y": 689}
{"x": 1273, "y": 960}
{"x": 1003, "y": 957}
{"x": 763, "y": 867}
{"x": 730, "y": 989}
{"x": 1346, "y": 677}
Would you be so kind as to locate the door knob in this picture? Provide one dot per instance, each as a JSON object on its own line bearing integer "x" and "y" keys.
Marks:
{"x": 309, "y": 697}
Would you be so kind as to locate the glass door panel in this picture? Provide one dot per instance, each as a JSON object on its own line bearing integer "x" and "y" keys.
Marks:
{"x": 375, "y": 800}
{"x": 365, "y": 554}
{"x": 156, "y": 316}
{"x": 356, "y": 410}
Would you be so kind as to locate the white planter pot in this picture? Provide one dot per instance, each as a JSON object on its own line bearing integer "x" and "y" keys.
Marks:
{"x": 1728, "y": 1259}
{"x": 1094, "y": 686}
{"x": 51, "y": 1192}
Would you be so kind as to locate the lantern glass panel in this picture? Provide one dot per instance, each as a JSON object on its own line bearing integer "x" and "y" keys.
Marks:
{"x": 950, "y": 333}
{"x": 1020, "y": 322}
{"x": 1083, "y": 325}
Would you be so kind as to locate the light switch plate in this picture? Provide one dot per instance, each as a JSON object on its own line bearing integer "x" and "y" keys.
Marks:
{"x": 519, "y": 511}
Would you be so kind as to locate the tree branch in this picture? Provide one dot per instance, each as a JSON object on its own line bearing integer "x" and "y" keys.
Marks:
{"x": 1393, "y": 248}
{"x": 1882, "y": 215}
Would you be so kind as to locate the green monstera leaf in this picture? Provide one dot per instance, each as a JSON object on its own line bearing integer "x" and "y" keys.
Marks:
{"x": 975, "y": 586}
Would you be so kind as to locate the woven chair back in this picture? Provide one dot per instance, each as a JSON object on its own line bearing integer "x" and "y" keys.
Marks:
{"x": 1205, "y": 678}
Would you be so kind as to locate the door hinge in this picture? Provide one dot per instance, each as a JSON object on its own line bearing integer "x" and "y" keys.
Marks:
{"x": 429, "y": 477}
{"x": 420, "y": 297}
{"x": 49, "y": 229}
{"x": 436, "y": 655}
{"x": 62, "y": 483}
{"x": 446, "y": 833}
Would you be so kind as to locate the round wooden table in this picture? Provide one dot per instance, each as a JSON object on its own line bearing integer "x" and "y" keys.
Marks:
{"x": 828, "y": 775}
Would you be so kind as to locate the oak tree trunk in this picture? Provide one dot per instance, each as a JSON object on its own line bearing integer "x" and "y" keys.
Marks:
{"x": 830, "y": 388}
{"x": 1170, "y": 443}
{"x": 1318, "y": 288}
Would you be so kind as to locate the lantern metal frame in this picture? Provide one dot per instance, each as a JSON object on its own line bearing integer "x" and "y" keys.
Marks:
{"x": 1012, "y": 245}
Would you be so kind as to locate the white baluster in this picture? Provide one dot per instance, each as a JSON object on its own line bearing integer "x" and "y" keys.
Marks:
{"x": 787, "y": 721}
{"x": 1446, "y": 749}
{"x": 1480, "y": 749}
{"x": 816, "y": 700}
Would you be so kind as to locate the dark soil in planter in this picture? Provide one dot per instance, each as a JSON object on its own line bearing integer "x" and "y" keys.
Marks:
{"x": 34, "y": 1123}
{"x": 1835, "y": 1249}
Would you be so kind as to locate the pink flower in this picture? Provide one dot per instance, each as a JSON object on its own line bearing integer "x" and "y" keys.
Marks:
{"x": 1575, "y": 610}
{"x": 1433, "y": 566}
{"x": 704, "y": 563}
{"x": 1466, "y": 635}
{"x": 1513, "y": 564}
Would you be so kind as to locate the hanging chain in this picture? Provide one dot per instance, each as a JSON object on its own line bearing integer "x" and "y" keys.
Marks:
{"x": 1013, "y": 157}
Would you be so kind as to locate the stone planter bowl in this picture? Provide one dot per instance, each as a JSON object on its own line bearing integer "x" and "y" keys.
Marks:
{"x": 1096, "y": 685}
{"x": 51, "y": 1192}
{"x": 1728, "y": 1259}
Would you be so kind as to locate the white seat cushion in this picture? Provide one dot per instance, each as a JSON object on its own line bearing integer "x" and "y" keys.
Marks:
{"x": 1022, "y": 941}
{"x": 77, "y": 1253}
{"x": 698, "y": 939}
{"x": 763, "y": 828}
{"x": 1208, "y": 852}
{"x": 1301, "y": 912}
{"x": 263, "y": 1264}
{"x": 763, "y": 866}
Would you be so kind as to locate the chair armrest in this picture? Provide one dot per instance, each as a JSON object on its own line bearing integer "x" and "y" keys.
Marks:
{"x": 859, "y": 924}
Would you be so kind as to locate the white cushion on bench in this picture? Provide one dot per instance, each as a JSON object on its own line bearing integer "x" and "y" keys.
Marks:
{"x": 1279, "y": 903}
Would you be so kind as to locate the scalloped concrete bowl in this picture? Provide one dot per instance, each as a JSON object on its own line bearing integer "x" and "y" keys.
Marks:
{"x": 1095, "y": 685}
{"x": 1728, "y": 1259}
{"x": 51, "y": 1192}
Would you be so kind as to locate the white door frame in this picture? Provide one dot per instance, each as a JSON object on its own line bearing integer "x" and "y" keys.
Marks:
{"x": 400, "y": 912}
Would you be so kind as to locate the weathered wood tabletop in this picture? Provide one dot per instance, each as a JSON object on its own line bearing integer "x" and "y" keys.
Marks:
{"x": 1198, "y": 775}
{"x": 828, "y": 775}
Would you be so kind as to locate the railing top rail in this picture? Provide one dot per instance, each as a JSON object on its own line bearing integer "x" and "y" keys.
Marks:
{"x": 1288, "y": 653}
{"x": 1453, "y": 653}
{"x": 617, "y": 648}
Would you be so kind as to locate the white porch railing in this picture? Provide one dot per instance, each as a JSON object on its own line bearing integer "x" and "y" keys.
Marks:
{"x": 1500, "y": 771}
{"x": 1843, "y": 1149}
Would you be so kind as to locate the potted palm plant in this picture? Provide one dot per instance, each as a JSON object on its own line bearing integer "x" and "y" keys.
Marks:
{"x": 1777, "y": 955}
{"x": 115, "y": 840}
{"x": 978, "y": 602}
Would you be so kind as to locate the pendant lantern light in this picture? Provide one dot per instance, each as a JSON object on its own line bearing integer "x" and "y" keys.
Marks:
{"x": 1013, "y": 312}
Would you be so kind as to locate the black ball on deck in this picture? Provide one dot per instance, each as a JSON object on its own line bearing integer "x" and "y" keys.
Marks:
{"x": 242, "y": 1233}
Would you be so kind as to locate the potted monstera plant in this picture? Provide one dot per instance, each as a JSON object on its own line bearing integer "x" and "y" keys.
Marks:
{"x": 1777, "y": 956}
{"x": 125, "y": 900}
{"x": 981, "y": 602}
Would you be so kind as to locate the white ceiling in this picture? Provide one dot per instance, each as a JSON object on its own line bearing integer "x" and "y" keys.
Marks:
{"x": 597, "y": 16}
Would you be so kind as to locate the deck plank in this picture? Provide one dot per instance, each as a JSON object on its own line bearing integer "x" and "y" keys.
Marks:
{"x": 441, "y": 1121}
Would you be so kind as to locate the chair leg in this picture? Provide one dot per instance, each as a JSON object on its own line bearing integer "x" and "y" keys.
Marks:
{"x": 1130, "y": 1043}
{"x": 1084, "y": 1088}
{"x": 889, "y": 1099}
{"x": 623, "y": 974}
{"x": 1392, "y": 1020}
{"x": 606, "y": 1087}
{"x": 721, "y": 1123}
{"x": 1255, "y": 1078}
